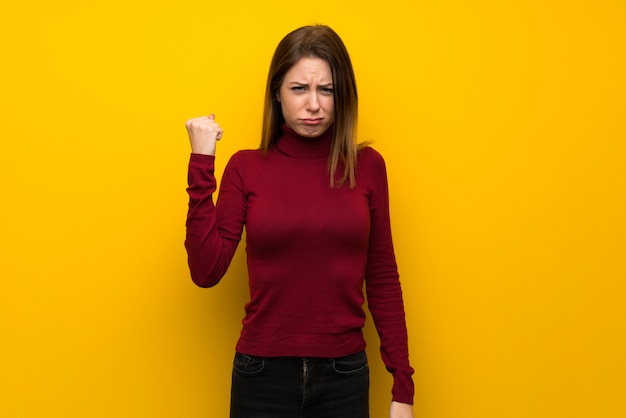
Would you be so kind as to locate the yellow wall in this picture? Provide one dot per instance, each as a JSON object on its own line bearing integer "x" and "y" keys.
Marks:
{"x": 503, "y": 124}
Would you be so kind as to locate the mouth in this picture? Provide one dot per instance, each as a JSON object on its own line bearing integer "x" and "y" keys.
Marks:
{"x": 312, "y": 121}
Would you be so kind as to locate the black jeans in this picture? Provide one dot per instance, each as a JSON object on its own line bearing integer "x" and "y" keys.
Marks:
{"x": 293, "y": 387}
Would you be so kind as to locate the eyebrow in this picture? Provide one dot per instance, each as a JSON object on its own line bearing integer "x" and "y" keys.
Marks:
{"x": 307, "y": 84}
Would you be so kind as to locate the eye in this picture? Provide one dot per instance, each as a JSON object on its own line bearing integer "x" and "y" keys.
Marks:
{"x": 327, "y": 91}
{"x": 297, "y": 89}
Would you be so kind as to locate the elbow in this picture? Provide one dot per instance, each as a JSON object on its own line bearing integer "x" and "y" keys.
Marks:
{"x": 203, "y": 276}
{"x": 205, "y": 284}
{"x": 204, "y": 280}
{"x": 206, "y": 268}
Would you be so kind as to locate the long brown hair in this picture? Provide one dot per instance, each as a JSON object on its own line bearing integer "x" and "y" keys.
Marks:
{"x": 317, "y": 41}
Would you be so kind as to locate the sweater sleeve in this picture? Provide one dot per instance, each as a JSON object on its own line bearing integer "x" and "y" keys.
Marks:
{"x": 213, "y": 230}
{"x": 384, "y": 293}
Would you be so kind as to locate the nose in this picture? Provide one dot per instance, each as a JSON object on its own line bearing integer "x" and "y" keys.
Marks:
{"x": 313, "y": 104}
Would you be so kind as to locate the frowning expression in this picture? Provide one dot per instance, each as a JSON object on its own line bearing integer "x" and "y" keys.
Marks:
{"x": 306, "y": 97}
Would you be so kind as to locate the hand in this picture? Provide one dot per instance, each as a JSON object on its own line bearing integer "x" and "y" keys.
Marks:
{"x": 203, "y": 133}
{"x": 400, "y": 410}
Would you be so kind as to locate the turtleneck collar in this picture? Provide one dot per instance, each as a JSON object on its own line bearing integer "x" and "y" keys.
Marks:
{"x": 293, "y": 145}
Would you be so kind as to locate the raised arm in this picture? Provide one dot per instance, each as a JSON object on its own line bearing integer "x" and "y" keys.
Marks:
{"x": 211, "y": 239}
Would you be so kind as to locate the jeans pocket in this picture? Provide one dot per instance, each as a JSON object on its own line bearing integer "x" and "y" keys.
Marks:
{"x": 246, "y": 365}
{"x": 354, "y": 364}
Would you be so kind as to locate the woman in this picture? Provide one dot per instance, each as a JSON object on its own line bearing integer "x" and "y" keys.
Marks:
{"x": 316, "y": 212}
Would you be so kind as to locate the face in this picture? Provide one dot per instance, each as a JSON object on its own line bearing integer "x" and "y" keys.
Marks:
{"x": 306, "y": 97}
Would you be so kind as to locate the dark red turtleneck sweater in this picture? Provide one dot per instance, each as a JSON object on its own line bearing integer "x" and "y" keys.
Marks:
{"x": 309, "y": 249}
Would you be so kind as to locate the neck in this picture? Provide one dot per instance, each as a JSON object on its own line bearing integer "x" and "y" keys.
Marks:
{"x": 297, "y": 146}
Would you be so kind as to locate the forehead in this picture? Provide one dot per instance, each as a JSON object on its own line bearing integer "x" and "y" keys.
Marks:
{"x": 310, "y": 67}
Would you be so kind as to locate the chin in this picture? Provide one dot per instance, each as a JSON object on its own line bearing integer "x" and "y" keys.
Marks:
{"x": 311, "y": 132}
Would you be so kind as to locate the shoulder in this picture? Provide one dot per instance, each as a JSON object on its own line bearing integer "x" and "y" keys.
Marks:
{"x": 370, "y": 159}
{"x": 244, "y": 157}
{"x": 240, "y": 164}
{"x": 246, "y": 154}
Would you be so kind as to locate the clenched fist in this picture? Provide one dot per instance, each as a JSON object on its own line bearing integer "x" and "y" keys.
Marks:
{"x": 203, "y": 134}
